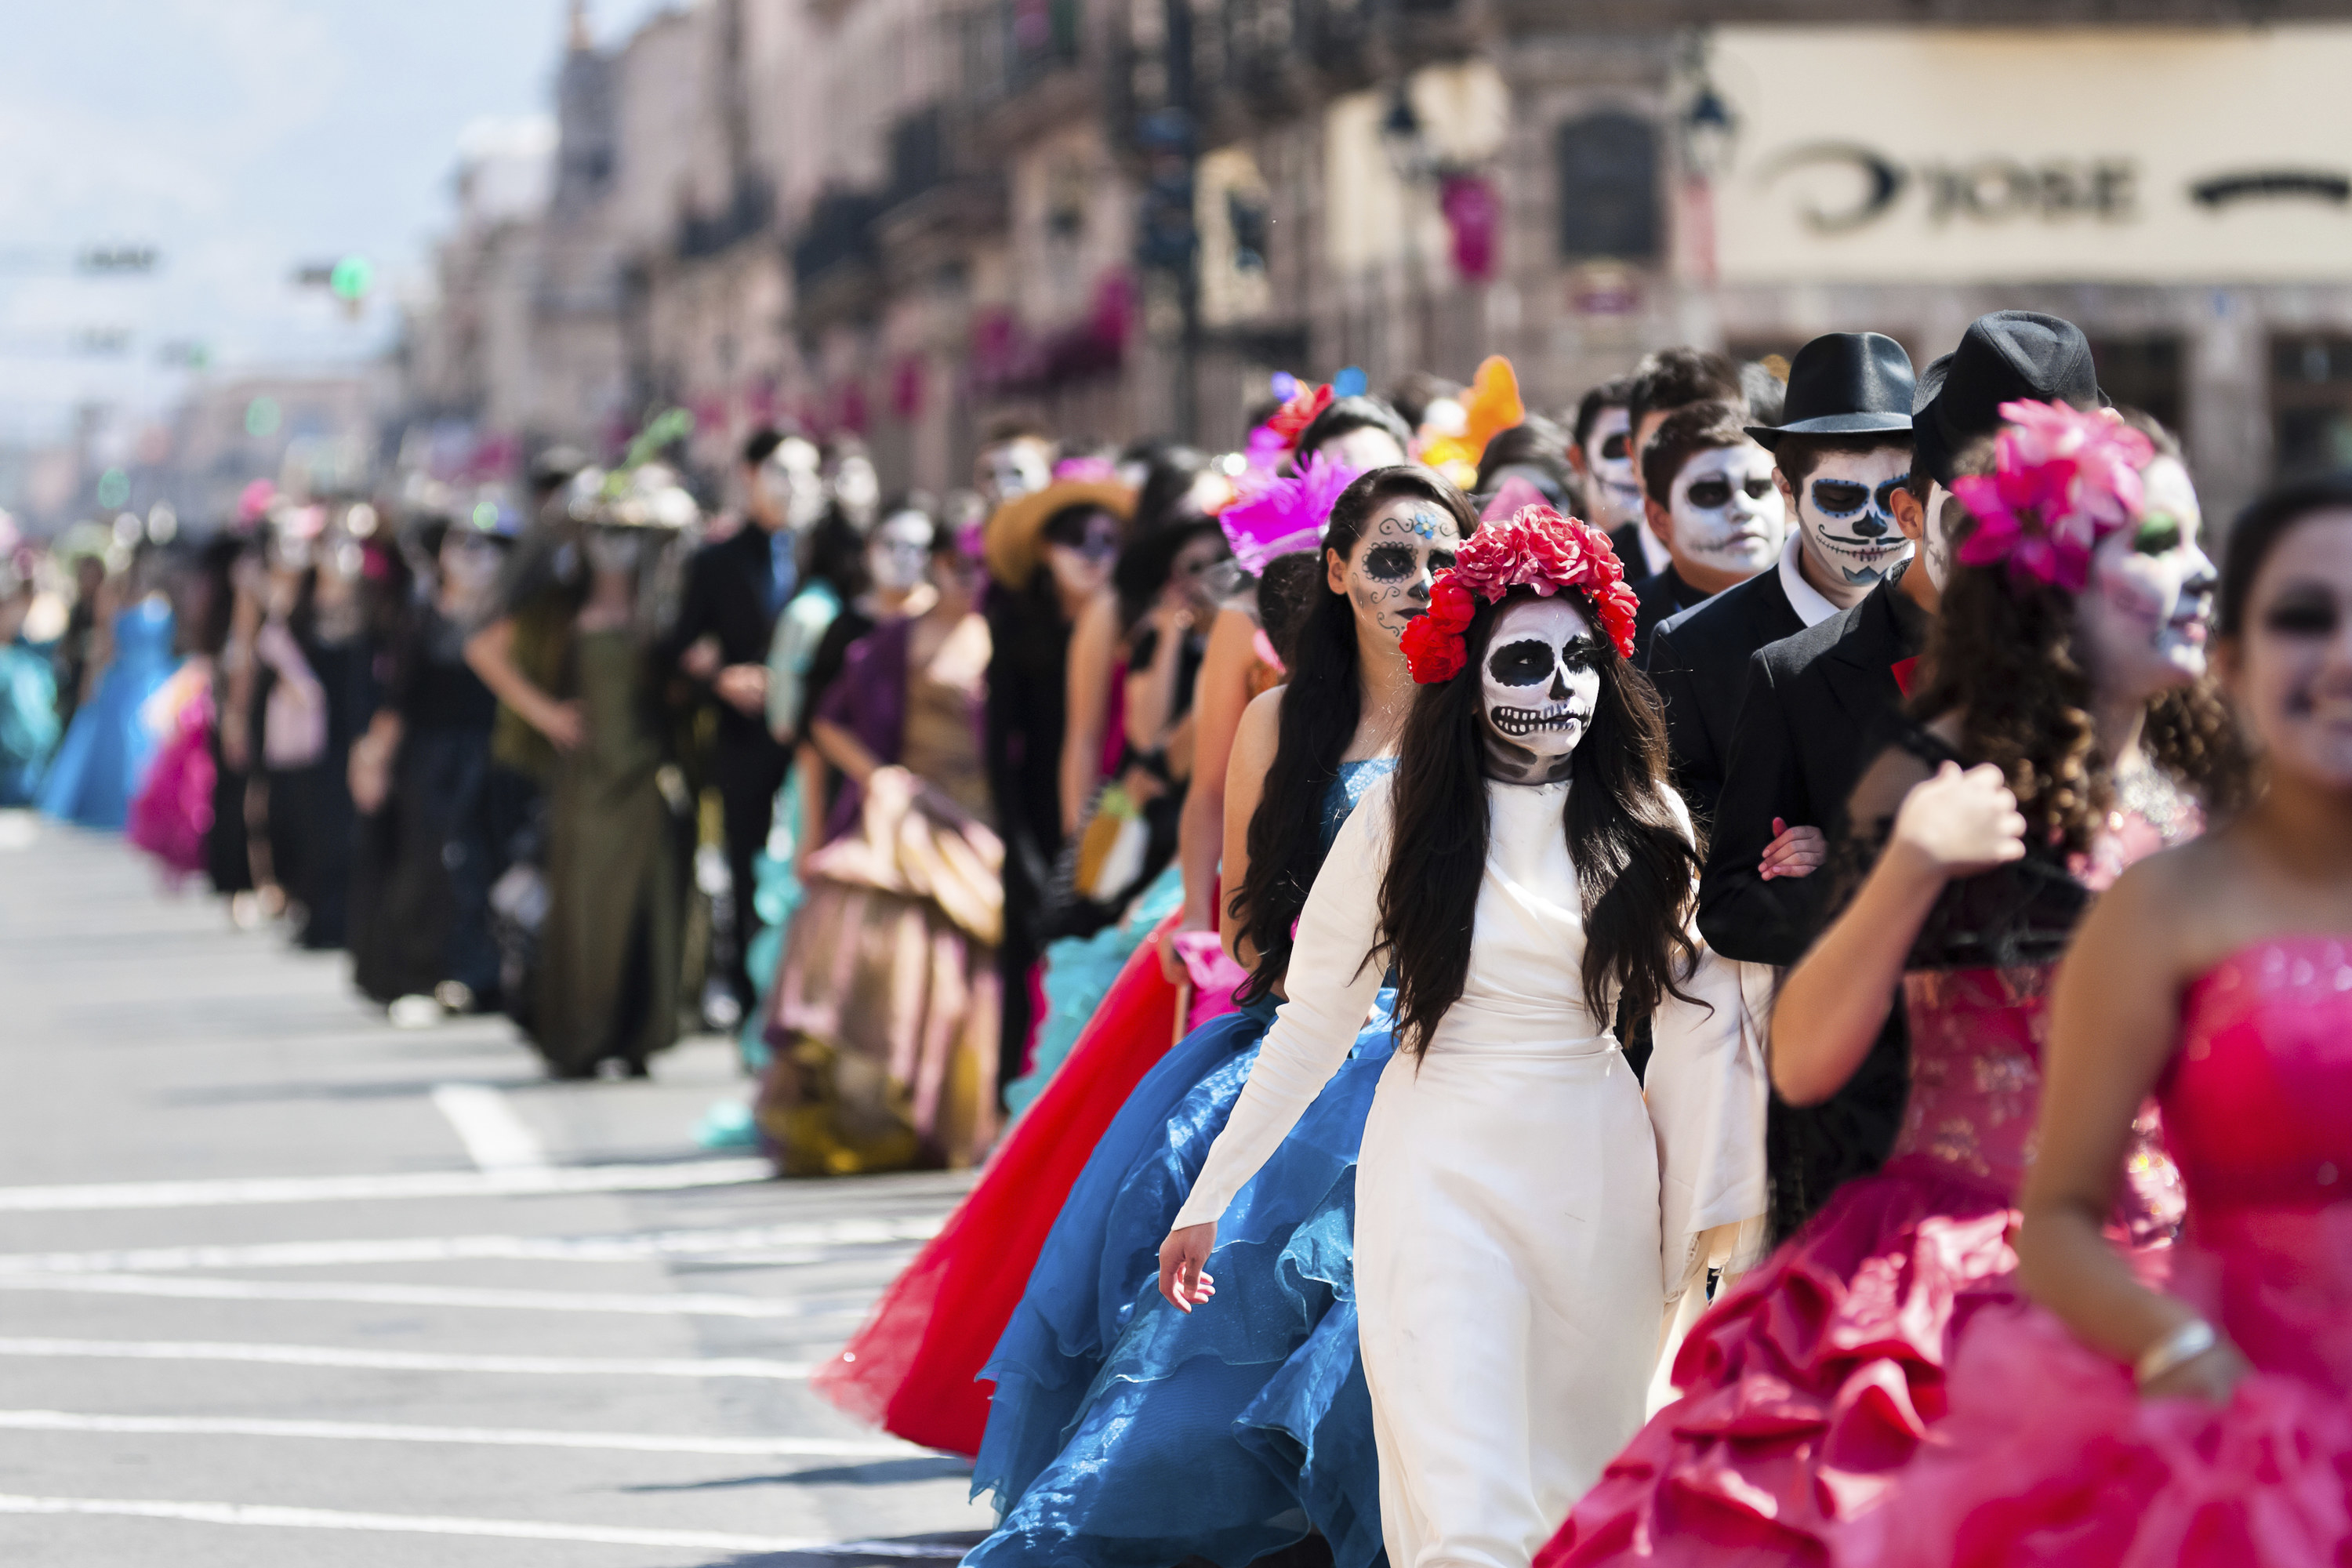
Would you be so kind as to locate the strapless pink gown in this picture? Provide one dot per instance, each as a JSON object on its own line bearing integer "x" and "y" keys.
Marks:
{"x": 1810, "y": 1384}
{"x": 2049, "y": 1457}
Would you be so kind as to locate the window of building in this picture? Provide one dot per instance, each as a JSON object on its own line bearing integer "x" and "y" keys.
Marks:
{"x": 1609, "y": 188}
{"x": 2311, "y": 400}
{"x": 2142, "y": 374}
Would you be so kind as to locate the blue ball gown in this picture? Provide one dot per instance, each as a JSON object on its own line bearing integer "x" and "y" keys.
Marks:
{"x": 108, "y": 746}
{"x": 1125, "y": 1433}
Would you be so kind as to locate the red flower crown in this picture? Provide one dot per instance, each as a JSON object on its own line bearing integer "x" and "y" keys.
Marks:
{"x": 1537, "y": 549}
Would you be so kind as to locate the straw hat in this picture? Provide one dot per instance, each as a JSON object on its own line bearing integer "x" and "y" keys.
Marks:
{"x": 646, "y": 496}
{"x": 1013, "y": 542}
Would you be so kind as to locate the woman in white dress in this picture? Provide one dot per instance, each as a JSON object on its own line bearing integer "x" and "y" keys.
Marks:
{"x": 1522, "y": 1216}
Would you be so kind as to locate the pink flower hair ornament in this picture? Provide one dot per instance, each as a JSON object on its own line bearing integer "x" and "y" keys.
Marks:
{"x": 2062, "y": 480}
{"x": 1537, "y": 549}
{"x": 1283, "y": 516}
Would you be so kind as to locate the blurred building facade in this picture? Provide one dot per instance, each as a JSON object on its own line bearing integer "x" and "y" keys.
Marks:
{"x": 903, "y": 219}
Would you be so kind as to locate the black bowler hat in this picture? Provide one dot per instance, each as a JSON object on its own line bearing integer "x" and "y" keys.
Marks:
{"x": 1844, "y": 384}
{"x": 2002, "y": 358}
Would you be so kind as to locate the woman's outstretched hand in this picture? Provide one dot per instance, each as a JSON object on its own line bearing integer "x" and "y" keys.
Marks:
{"x": 1961, "y": 822}
{"x": 1184, "y": 1265}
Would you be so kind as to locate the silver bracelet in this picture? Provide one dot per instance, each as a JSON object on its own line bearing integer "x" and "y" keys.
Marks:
{"x": 2182, "y": 1345}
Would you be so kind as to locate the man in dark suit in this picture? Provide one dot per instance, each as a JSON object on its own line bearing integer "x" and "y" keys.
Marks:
{"x": 1843, "y": 442}
{"x": 1815, "y": 709}
{"x": 727, "y": 617}
{"x": 1709, "y": 494}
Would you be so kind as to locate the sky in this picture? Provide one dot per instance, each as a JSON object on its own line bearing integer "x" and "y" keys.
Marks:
{"x": 244, "y": 138}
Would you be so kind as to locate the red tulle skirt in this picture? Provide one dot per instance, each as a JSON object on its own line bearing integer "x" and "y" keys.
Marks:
{"x": 2051, "y": 1457}
{"x": 914, "y": 1368}
{"x": 1809, "y": 1386}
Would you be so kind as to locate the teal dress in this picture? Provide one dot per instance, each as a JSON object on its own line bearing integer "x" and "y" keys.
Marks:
{"x": 108, "y": 746}
{"x": 1123, "y": 1432}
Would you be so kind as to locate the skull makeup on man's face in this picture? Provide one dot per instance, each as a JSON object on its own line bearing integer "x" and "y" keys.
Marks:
{"x": 1410, "y": 540}
{"x": 1538, "y": 684}
{"x": 1845, "y": 508}
{"x": 1616, "y": 493}
{"x": 898, "y": 554}
{"x": 1727, "y": 511}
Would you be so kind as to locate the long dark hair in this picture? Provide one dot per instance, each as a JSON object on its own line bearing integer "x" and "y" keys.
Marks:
{"x": 1321, "y": 705}
{"x": 1633, "y": 848}
{"x": 2003, "y": 658}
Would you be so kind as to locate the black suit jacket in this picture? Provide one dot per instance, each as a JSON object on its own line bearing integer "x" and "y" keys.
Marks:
{"x": 1662, "y": 596}
{"x": 1817, "y": 707}
{"x": 726, "y": 597}
{"x": 1698, "y": 660}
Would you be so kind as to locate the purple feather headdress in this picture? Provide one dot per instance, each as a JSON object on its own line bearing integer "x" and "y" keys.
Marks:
{"x": 1283, "y": 516}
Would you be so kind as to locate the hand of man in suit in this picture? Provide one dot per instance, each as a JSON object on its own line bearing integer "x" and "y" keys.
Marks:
{"x": 701, "y": 657}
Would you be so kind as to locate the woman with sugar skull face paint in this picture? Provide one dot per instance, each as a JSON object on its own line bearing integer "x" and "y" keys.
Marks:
{"x": 1230, "y": 1436}
{"x": 2066, "y": 665}
{"x": 1523, "y": 1217}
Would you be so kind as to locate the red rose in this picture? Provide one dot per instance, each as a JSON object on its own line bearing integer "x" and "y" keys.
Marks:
{"x": 1449, "y": 606}
{"x": 1431, "y": 653}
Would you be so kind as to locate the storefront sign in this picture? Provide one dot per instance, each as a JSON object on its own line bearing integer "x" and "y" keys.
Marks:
{"x": 2123, "y": 154}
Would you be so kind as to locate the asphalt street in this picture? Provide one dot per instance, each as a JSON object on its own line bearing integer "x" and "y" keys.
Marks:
{"x": 282, "y": 1285}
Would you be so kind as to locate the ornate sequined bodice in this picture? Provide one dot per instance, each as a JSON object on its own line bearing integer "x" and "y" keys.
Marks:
{"x": 1978, "y": 1029}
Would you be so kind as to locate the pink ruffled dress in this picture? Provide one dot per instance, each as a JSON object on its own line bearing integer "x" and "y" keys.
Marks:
{"x": 2049, "y": 1457}
{"x": 1808, "y": 1387}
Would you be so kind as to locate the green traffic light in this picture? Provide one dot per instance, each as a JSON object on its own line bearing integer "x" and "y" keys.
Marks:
{"x": 351, "y": 278}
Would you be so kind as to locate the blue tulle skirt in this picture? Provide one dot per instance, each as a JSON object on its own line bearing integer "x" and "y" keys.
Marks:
{"x": 1126, "y": 1433}
{"x": 103, "y": 758}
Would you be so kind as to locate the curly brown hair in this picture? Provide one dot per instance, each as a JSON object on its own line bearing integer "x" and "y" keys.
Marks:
{"x": 2002, "y": 657}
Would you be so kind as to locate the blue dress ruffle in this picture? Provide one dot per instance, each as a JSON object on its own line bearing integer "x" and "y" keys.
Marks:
{"x": 1125, "y": 1433}
{"x": 104, "y": 756}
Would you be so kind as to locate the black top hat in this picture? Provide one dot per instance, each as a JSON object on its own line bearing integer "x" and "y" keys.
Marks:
{"x": 1844, "y": 384}
{"x": 2002, "y": 358}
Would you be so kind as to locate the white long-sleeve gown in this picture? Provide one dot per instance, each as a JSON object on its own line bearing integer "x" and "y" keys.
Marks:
{"x": 1514, "y": 1243}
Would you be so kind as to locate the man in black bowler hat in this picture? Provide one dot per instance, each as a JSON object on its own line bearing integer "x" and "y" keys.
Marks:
{"x": 1842, "y": 448}
{"x": 1817, "y": 706}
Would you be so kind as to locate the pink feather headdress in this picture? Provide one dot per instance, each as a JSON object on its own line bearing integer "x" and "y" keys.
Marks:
{"x": 1282, "y": 516}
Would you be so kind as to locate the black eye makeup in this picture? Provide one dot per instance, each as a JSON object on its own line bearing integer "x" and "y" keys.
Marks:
{"x": 1387, "y": 563}
{"x": 1616, "y": 448}
{"x": 1580, "y": 653}
{"x": 1840, "y": 497}
{"x": 2302, "y": 613}
{"x": 1522, "y": 663}
{"x": 1709, "y": 493}
{"x": 1758, "y": 486}
{"x": 1441, "y": 561}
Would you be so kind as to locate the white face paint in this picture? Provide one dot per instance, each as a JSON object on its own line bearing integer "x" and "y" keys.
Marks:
{"x": 1727, "y": 513}
{"x": 1410, "y": 540}
{"x": 1538, "y": 686}
{"x": 898, "y": 554}
{"x": 794, "y": 481}
{"x": 1016, "y": 468}
{"x": 2150, "y": 600}
{"x": 1845, "y": 510}
{"x": 1615, "y": 494}
{"x": 857, "y": 489}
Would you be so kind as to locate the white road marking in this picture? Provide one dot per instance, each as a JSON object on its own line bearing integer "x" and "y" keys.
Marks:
{"x": 377, "y": 1432}
{"x": 685, "y": 1304}
{"x": 400, "y": 1361}
{"x": 521, "y": 1181}
{"x": 268, "y": 1515}
{"x": 626, "y": 1247}
{"x": 486, "y": 1125}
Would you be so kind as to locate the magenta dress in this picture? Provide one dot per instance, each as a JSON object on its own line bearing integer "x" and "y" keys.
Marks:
{"x": 2049, "y": 1457}
{"x": 1809, "y": 1385}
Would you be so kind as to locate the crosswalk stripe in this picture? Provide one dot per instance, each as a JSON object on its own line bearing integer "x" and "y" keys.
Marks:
{"x": 273, "y": 1516}
{"x": 400, "y": 1361}
{"x": 495, "y": 1436}
{"x": 800, "y": 1242}
{"x": 514, "y": 1182}
{"x": 685, "y": 1304}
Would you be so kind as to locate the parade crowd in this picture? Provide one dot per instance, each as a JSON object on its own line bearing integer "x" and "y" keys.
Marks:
{"x": 1754, "y": 970}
